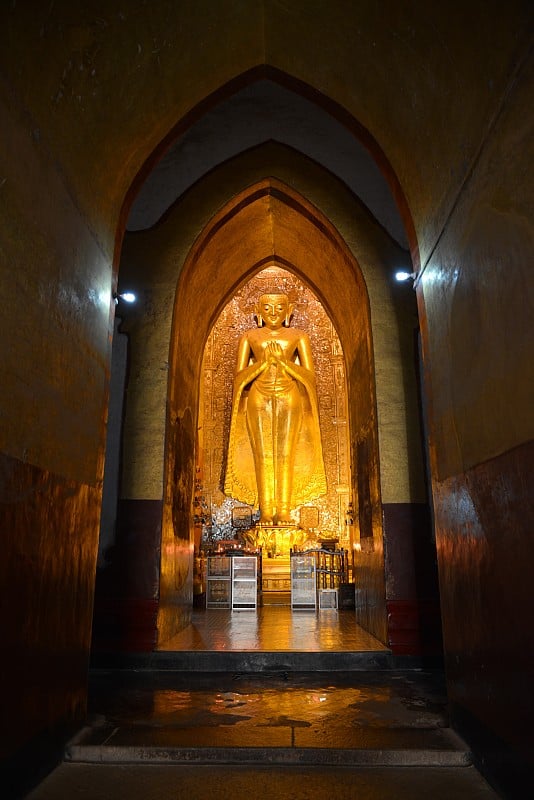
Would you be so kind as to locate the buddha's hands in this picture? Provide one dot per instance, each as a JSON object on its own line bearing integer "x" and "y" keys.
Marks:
{"x": 274, "y": 354}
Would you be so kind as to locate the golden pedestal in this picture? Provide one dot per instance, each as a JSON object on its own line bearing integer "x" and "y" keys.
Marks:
{"x": 278, "y": 540}
{"x": 276, "y": 574}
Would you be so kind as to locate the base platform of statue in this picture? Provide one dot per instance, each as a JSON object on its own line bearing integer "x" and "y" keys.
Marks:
{"x": 275, "y": 574}
{"x": 278, "y": 540}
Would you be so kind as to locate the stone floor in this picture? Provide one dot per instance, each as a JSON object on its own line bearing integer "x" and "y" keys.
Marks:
{"x": 267, "y": 723}
{"x": 237, "y": 782}
{"x": 400, "y": 710}
{"x": 302, "y": 736}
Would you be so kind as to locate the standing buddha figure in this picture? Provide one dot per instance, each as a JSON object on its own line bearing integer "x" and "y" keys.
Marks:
{"x": 275, "y": 458}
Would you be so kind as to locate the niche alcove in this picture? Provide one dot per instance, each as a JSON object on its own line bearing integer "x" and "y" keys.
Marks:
{"x": 184, "y": 271}
{"x": 268, "y": 222}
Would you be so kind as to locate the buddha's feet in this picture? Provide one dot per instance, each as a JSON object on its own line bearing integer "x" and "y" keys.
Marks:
{"x": 284, "y": 518}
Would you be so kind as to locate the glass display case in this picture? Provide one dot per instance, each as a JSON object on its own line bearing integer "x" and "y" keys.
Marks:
{"x": 303, "y": 582}
{"x": 244, "y": 583}
{"x": 219, "y": 582}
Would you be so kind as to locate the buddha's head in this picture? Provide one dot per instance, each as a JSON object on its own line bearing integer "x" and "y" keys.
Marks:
{"x": 274, "y": 310}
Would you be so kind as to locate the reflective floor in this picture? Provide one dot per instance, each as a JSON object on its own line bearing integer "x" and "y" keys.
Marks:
{"x": 161, "y": 735}
{"x": 274, "y": 628}
{"x": 399, "y": 710}
{"x": 156, "y": 733}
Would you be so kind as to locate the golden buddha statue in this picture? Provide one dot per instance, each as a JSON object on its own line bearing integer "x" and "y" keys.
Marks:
{"x": 275, "y": 458}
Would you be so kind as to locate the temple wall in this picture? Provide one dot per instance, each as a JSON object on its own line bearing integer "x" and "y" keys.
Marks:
{"x": 478, "y": 296}
{"x": 477, "y": 300}
{"x": 55, "y": 283}
{"x": 117, "y": 81}
{"x": 419, "y": 83}
{"x": 483, "y": 520}
{"x": 55, "y": 294}
{"x": 114, "y": 81}
{"x": 47, "y": 574}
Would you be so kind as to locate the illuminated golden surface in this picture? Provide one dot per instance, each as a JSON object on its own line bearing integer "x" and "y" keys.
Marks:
{"x": 274, "y": 628}
{"x": 327, "y": 514}
{"x": 274, "y": 411}
{"x": 279, "y": 540}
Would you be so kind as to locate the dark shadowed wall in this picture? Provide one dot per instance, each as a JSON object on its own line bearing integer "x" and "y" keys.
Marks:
{"x": 442, "y": 95}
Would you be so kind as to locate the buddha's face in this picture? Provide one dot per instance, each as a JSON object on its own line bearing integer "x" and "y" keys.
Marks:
{"x": 273, "y": 309}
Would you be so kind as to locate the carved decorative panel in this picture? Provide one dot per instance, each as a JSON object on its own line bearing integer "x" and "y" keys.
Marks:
{"x": 217, "y": 376}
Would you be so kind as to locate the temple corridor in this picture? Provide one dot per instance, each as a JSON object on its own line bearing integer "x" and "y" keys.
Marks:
{"x": 266, "y": 289}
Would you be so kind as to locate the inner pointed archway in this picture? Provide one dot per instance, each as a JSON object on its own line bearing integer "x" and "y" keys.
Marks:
{"x": 267, "y": 222}
{"x": 323, "y": 515}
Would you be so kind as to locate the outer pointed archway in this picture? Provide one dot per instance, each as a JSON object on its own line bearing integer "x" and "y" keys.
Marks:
{"x": 268, "y": 221}
{"x": 267, "y": 72}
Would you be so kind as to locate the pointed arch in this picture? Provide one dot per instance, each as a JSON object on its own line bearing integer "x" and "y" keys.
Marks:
{"x": 264, "y": 72}
{"x": 268, "y": 221}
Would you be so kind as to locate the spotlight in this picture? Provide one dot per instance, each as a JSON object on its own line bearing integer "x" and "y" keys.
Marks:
{"x": 128, "y": 297}
{"x": 402, "y": 275}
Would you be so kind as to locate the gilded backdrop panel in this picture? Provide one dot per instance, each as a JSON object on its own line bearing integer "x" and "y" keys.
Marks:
{"x": 216, "y": 404}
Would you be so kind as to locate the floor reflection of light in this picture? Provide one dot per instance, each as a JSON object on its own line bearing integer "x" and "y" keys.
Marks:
{"x": 244, "y": 630}
{"x": 273, "y": 628}
{"x": 167, "y": 702}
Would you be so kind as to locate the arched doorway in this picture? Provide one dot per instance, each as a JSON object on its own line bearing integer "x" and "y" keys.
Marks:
{"x": 393, "y": 317}
{"x": 267, "y": 222}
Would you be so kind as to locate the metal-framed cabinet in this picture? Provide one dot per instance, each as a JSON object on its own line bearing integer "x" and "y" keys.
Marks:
{"x": 219, "y": 582}
{"x": 244, "y": 583}
{"x": 328, "y": 599}
{"x": 303, "y": 582}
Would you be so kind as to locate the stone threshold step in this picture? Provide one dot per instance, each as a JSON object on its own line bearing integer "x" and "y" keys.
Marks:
{"x": 255, "y": 661}
{"x": 116, "y": 754}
